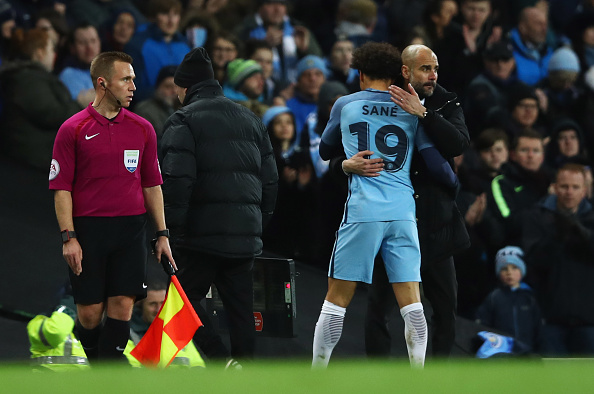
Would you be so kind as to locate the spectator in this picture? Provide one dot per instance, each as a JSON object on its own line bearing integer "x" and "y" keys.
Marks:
{"x": 35, "y": 102}
{"x": 558, "y": 239}
{"x": 55, "y": 24}
{"x": 524, "y": 108}
{"x": 76, "y": 75}
{"x": 119, "y": 29}
{"x": 224, "y": 13}
{"x": 311, "y": 74}
{"x": 339, "y": 64}
{"x": 97, "y": 13}
{"x": 531, "y": 51}
{"x": 436, "y": 23}
{"x": 581, "y": 33}
{"x": 492, "y": 146}
{"x": 404, "y": 16}
{"x": 488, "y": 93}
{"x": 226, "y": 47}
{"x": 261, "y": 52}
{"x": 356, "y": 20}
{"x": 564, "y": 97}
{"x": 461, "y": 57}
{"x": 161, "y": 44}
{"x": 512, "y": 309}
{"x": 245, "y": 85}
{"x": 566, "y": 145}
{"x": 332, "y": 189}
{"x": 7, "y": 25}
{"x": 163, "y": 104}
{"x": 290, "y": 231}
{"x": 289, "y": 39}
{"x": 522, "y": 183}
{"x": 200, "y": 29}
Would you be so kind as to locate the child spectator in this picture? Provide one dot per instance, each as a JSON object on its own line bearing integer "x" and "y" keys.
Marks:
{"x": 512, "y": 308}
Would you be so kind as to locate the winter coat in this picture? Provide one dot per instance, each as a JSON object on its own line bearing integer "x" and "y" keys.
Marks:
{"x": 35, "y": 103}
{"x": 220, "y": 177}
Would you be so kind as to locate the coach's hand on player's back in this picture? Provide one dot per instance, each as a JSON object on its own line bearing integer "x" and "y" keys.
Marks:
{"x": 359, "y": 164}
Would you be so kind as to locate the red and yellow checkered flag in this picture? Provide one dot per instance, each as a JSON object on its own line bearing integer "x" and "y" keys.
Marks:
{"x": 171, "y": 330}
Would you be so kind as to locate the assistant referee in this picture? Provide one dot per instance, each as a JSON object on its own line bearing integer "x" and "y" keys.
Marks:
{"x": 106, "y": 176}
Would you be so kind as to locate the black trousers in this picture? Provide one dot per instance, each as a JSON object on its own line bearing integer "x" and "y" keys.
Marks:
{"x": 439, "y": 287}
{"x": 234, "y": 282}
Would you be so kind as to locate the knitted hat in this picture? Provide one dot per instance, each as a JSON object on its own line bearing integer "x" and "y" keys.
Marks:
{"x": 165, "y": 72}
{"x": 498, "y": 50}
{"x": 510, "y": 255}
{"x": 6, "y": 11}
{"x": 273, "y": 112}
{"x": 520, "y": 92}
{"x": 195, "y": 68}
{"x": 329, "y": 91}
{"x": 564, "y": 59}
{"x": 239, "y": 70}
{"x": 309, "y": 62}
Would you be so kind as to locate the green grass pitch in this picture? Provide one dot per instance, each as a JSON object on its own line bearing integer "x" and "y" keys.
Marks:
{"x": 342, "y": 376}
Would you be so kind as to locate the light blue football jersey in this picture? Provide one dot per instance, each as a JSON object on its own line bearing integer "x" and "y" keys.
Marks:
{"x": 370, "y": 120}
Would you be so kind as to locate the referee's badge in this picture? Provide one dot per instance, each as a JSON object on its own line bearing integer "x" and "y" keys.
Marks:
{"x": 54, "y": 169}
{"x": 131, "y": 159}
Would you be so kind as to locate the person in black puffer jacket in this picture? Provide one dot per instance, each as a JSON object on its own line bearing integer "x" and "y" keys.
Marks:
{"x": 220, "y": 184}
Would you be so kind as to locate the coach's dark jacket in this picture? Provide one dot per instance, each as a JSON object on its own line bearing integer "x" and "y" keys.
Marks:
{"x": 442, "y": 231}
{"x": 219, "y": 174}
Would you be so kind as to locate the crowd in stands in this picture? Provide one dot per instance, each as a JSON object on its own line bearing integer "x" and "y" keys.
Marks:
{"x": 522, "y": 69}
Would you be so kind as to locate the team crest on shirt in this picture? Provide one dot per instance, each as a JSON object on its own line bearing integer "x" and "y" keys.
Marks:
{"x": 131, "y": 159}
{"x": 54, "y": 169}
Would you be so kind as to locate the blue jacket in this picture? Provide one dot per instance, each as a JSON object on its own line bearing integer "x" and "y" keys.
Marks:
{"x": 531, "y": 64}
{"x": 150, "y": 53}
{"x": 514, "y": 312}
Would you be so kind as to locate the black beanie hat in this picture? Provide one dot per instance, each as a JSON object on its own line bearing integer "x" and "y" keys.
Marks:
{"x": 520, "y": 92}
{"x": 195, "y": 68}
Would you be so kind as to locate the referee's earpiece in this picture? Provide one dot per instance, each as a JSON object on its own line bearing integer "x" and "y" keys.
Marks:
{"x": 102, "y": 84}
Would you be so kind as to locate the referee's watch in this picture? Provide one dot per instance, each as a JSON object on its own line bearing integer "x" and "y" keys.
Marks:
{"x": 66, "y": 235}
{"x": 162, "y": 233}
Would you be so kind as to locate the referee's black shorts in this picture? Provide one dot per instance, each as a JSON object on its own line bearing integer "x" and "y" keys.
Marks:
{"x": 114, "y": 252}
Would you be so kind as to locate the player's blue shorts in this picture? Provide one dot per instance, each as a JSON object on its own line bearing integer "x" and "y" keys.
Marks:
{"x": 357, "y": 244}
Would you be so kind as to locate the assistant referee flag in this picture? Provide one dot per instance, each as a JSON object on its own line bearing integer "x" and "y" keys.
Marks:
{"x": 171, "y": 331}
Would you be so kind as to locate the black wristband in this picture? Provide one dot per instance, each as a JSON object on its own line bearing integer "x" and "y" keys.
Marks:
{"x": 163, "y": 233}
{"x": 66, "y": 235}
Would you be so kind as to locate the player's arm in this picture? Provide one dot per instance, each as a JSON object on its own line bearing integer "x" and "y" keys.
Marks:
{"x": 153, "y": 202}
{"x": 71, "y": 249}
{"x": 438, "y": 166}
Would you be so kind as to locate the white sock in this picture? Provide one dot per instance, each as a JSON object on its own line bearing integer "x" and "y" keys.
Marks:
{"x": 415, "y": 333}
{"x": 327, "y": 333}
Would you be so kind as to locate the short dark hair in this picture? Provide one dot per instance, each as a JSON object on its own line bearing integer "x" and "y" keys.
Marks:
{"x": 252, "y": 45}
{"x": 102, "y": 65}
{"x": 80, "y": 26}
{"x": 378, "y": 61}
{"x": 488, "y": 137}
{"x": 163, "y": 7}
{"x": 528, "y": 133}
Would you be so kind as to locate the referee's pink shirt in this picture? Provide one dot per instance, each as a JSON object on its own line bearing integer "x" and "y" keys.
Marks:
{"x": 88, "y": 160}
